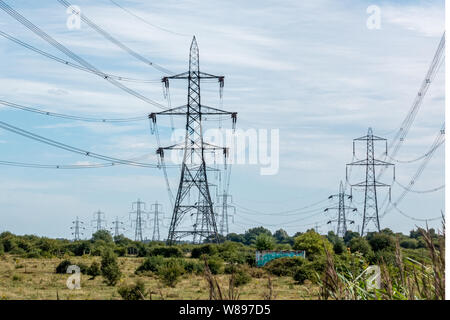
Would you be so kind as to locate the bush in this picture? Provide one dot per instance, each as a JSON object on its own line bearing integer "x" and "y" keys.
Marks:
{"x": 264, "y": 242}
{"x": 170, "y": 272}
{"x": 166, "y": 252}
{"x": 94, "y": 270}
{"x": 133, "y": 292}
{"x": 193, "y": 267}
{"x": 309, "y": 270}
{"x": 152, "y": 264}
{"x": 241, "y": 277}
{"x": 339, "y": 246}
{"x": 62, "y": 266}
{"x": 360, "y": 245}
{"x": 301, "y": 274}
{"x": 215, "y": 265}
{"x": 381, "y": 241}
{"x": 284, "y": 266}
{"x": 409, "y": 243}
{"x": 207, "y": 249}
{"x": 110, "y": 269}
{"x": 313, "y": 243}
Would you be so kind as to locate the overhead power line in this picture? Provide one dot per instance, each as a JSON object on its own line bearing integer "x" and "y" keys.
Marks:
{"x": 67, "y": 116}
{"x": 39, "y": 32}
{"x": 402, "y": 132}
{"x": 437, "y": 141}
{"x": 66, "y": 147}
{"x": 147, "y": 22}
{"x": 114, "y": 40}
{"x": 74, "y": 65}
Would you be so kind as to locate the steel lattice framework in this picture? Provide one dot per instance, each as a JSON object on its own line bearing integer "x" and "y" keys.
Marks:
{"x": 341, "y": 209}
{"x": 370, "y": 184}
{"x": 194, "y": 180}
{"x": 77, "y": 227}
{"x": 138, "y": 208}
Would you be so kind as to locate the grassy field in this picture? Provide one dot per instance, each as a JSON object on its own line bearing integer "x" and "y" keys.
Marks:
{"x": 26, "y": 278}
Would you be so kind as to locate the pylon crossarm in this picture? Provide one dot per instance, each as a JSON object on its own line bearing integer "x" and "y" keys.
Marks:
{"x": 363, "y": 184}
{"x": 367, "y": 137}
{"x": 374, "y": 162}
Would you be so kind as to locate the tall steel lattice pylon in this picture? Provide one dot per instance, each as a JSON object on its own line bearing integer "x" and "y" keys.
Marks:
{"x": 370, "y": 184}
{"x": 118, "y": 227}
{"x": 341, "y": 209}
{"x": 99, "y": 221}
{"x": 194, "y": 180}
{"x": 223, "y": 207}
{"x": 77, "y": 228}
{"x": 138, "y": 208}
{"x": 156, "y": 211}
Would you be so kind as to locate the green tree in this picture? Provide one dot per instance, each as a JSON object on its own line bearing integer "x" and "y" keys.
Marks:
{"x": 102, "y": 235}
{"x": 349, "y": 235}
{"x": 264, "y": 242}
{"x": 360, "y": 245}
{"x": 281, "y": 236}
{"x": 236, "y": 237}
{"x": 251, "y": 234}
{"x": 381, "y": 241}
{"x": 110, "y": 268}
{"x": 313, "y": 243}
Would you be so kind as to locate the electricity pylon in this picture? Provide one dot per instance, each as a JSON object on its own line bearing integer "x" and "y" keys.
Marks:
{"x": 99, "y": 221}
{"x": 341, "y": 209}
{"x": 156, "y": 210}
{"x": 138, "y": 222}
{"x": 77, "y": 227}
{"x": 224, "y": 215}
{"x": 118, "y": 227}
{"x": 193, "y": 180}
{"x": 370, "y": 184}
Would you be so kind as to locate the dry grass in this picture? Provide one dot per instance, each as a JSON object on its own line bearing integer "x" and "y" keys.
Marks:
{"x": 36, "y": 279}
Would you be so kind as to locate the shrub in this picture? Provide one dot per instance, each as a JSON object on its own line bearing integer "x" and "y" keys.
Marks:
{"x": 381, "y": 241}
{"x": 166, "y": 252}
{"x": 339, "y": 246}
{"x": 94, "y": 270}
{"x": 360, "y": 245}
{"x": 301, "y": 274}
{"x": 170, "y": 272}
{"x": 109, "y": 267}
{"x": 208, "y": 249}
{"x": 264, "y": 242}
{"x": 62, "y": 266}
{"x": 193, "y": 267}
{"x": 152, "y": 264}
{"x": 133, "y": 292}
{"x": 215, "y": 265}
{"x": 284, "y": 266}
{"x": 241, "y": 277}
{"x": 313, "y": 243}
{"x": 409, "y": 243}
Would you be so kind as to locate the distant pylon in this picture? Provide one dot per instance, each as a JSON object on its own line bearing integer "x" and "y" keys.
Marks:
{"x": 156, "y": 210}
{"x": 193, "y": 180}
{"x": 139, "y": 208}
{"x": 118, "y": 227}
{"x": 341, "y": 209}
{"x": 99, "y": 221}
{"x": 370, "y": 184}
{"x": 77, "y": 227}
{"x": 223, "y": 207}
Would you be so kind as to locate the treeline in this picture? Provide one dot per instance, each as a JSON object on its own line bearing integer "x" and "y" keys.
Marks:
{"x": 373, "y": 246}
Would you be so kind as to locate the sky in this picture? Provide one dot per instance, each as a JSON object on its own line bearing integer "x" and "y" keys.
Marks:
{"x": 311, "y": 69}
